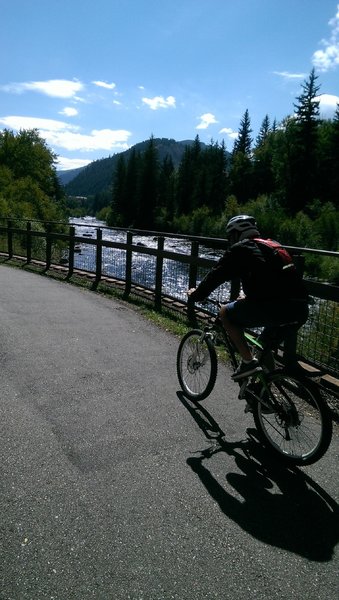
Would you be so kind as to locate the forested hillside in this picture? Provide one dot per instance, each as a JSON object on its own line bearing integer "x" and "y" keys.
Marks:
{"x": 97, "y": 177}
{"x": 66, "y": 176}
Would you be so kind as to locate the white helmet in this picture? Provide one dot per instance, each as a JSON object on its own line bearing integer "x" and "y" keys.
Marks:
{"x": 244, "y": 225}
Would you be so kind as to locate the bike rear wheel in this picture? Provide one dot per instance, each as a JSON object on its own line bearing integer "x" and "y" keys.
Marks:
{"x": 299, "y": 426}
{"x": 197, "y": 365}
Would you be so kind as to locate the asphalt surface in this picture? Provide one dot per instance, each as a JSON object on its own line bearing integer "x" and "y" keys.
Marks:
{"x": 112, "y": 486}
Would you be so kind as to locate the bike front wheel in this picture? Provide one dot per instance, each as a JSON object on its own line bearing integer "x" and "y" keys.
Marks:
{"x": 298, "y": 425}
{"x": 197, "y": 365}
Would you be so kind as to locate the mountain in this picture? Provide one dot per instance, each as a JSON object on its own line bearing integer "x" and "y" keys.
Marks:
{"x": 97, "y": 176}
{"x": 67, "y": 176}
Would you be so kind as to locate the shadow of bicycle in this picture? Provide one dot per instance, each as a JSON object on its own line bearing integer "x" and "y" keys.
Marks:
{"x": 299, "y": 516}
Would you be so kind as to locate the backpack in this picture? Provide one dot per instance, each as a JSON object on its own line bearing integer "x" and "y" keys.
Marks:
{"x": 275, "y": 254}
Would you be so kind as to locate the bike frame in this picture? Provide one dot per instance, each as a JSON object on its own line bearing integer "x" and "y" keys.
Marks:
{"x": 215, "y": 331}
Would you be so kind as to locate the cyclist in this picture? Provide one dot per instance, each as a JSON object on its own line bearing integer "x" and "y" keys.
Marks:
{"x": 274, "y": 293}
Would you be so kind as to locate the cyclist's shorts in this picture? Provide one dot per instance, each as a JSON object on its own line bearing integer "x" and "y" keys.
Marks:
{"x": 261, "y": 313}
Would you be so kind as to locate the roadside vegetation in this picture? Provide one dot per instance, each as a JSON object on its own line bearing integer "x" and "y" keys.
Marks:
{"x": 29, "y": 186}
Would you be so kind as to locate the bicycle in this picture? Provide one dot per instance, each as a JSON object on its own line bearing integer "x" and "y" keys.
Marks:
{"x": 290, "y": 415}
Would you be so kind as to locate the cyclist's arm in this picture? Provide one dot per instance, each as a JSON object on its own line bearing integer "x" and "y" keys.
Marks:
{"x": 223, "y": 271}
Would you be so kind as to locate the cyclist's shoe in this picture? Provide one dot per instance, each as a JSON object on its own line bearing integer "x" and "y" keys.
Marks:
{"x": 246, "y": 369}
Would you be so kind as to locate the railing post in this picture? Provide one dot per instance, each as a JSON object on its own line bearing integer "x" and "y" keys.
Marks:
{"x": 299, "y": 262}
{"x": 71, "y": 251}
{"x": 193, "y": 272}
{"x": 192, "y": 279}
{"x": 291, "y": 341}
{"x": 290, "y": 348}
{"x": 158, "y": 273}
{"x": 9, "y": 239}
{"x": 48, "y": 246}
{"x": 98, "y": 265}
{"x": 128, "y": 272}
{"x": 29, "y": 241}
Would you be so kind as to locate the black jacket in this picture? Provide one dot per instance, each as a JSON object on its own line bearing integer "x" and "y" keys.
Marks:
{"x": 261, "y": 277}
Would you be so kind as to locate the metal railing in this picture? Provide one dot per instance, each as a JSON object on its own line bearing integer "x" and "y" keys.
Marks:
{"x": 164, "y": 265}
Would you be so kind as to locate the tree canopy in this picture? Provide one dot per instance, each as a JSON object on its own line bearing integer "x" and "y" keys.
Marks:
{"x": 29, "y": 186}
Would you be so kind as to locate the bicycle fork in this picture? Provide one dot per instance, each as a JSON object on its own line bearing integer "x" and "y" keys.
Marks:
{"x": 198, "y": 356}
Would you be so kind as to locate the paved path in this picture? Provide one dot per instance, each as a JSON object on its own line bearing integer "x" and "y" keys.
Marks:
{"x": 113, "y": 487}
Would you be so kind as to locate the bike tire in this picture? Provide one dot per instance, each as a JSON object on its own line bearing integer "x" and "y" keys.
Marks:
{"x": 300, "y": 430}
{"x": 197, "y": 365}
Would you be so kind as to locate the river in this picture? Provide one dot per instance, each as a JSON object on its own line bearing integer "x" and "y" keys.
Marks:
{"x": 175, "y": 274}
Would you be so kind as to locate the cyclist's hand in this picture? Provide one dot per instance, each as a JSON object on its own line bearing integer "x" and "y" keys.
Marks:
{"x": 190, "y": 291}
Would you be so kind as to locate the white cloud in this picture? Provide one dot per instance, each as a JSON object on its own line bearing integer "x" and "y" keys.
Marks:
{"x": 68, "y": 111}
{"x": 206, "y": 120}
{"x": 288, "y": 76}
{"x": 62, "y": 135}
{"x": 328, "y": 105}
{"x": 103, "y": 84}
{"x": 98, "y": 139}
{"x": 229, "y": 132}
{"x": 56, "y": 88}
{"x": 328, "y": 58}
{"x": 64, "y": 164}
{"x": 159, "y": 102}
{"x": 17, "y": 123}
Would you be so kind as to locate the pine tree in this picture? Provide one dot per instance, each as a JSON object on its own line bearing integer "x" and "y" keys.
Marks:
{"x": 166, "y": 191}
{"x": 295, "y": 155}
{"x": 241, "y": 167}
{"x": 307, "y": 107}
{"x": 118, "y": 193}
{"x": 263, "y": 181}
{"x": 334, "y": 153}
{"x": 131, "y": 188}
{"x": 264, "y": 131}
{"x": 148, "y": 187}
{"x": 243, "y": 142}
{"x": 189, "y": 174}
{"x": 215, "y": 164}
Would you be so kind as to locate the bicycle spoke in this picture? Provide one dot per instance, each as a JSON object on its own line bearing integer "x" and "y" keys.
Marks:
{"x": 298, "y": 427}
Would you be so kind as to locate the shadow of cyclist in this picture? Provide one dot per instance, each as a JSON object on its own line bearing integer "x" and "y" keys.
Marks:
{"x": 301, "y": 518}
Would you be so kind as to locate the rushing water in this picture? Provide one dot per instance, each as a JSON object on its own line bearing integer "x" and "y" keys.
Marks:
{"x": 175, "y": 274}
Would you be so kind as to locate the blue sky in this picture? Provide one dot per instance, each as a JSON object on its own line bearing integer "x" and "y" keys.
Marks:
{"x": 96, "y": 77}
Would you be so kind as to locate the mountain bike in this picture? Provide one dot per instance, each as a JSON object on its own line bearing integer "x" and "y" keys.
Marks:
{"x": 290, "y": 415}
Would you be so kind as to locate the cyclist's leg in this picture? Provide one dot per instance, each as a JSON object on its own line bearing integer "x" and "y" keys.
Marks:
{"x": 270, "y": 314}
{"x": 244, "y": 313}
{"x": 234, "y": 329}
{"x": 283, "y": 326}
